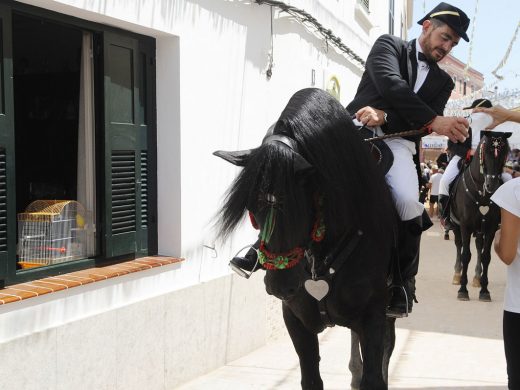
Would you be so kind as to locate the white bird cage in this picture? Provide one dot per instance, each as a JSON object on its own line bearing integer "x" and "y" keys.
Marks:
{"x": 51, "y": 232}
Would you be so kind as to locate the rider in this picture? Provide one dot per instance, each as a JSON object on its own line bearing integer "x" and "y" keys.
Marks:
{"x": 463, "y": 151}
{"x": 406, "y": 100}
{"x": 403, "y": 80}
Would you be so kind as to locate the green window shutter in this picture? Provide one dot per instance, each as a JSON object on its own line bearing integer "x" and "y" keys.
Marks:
{"x": 125, "y": 148}
{"x": 147, "y": 131}
{"x": 7, "y": 179}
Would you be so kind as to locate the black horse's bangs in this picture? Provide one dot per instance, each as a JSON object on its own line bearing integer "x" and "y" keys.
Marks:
{"x": 258, "y": 179}
{"x": 498, "y": 163}
{"x": 347, "y": 172}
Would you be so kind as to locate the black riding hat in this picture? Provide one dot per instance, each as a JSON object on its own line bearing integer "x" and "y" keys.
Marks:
{"x": 479, "y": 103}
{"x": 452, "y": 16}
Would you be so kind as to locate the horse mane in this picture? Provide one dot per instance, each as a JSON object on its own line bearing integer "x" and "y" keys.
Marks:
{"x": 344, "y": 172}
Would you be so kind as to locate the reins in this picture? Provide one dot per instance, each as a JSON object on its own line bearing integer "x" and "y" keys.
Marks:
{"x": 395, "y": 135}
{"x": 407, "y": 133}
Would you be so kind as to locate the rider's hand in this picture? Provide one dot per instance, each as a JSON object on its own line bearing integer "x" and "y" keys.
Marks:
{"x": 455, "y": 128}
{"x": 370, "y": 116}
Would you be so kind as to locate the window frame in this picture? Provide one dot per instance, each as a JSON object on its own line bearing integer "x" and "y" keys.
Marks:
{"x": 391, "y": 16}
{"x": 146, "y": 44}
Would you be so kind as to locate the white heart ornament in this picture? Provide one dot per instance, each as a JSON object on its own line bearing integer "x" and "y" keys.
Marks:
{"x": 317, "y": 289}
{"x": 483, "y": 210}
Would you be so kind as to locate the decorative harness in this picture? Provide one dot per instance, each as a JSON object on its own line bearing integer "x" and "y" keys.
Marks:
{"x": 483, "y": 202}
{"x": 286, "y": 260}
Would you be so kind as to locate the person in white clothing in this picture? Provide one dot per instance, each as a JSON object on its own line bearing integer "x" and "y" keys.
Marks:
{"x": 507, "y": 247}
{"x": 434, "y": 183}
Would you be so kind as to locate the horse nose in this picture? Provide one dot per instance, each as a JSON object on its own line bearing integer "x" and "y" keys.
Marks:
{"x": 492, "y": 183}
{"x": 284, "y": 293}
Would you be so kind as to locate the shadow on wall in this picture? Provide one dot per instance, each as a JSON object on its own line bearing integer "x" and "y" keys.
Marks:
{"x": 258, "y": 43}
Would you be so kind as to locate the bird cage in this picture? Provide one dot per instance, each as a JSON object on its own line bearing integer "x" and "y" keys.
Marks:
{"x": 51, "y": 232}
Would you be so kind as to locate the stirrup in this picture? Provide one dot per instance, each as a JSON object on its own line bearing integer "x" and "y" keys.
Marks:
{"x": 398, "y": 314}
{"x": 239, "y": 271}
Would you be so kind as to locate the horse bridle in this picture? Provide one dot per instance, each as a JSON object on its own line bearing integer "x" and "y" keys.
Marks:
{"x": 277, "y": 261}
{"x": 289, "y": 259}
{"x": 497, "y": 143}
{"x": 484, "y": 200}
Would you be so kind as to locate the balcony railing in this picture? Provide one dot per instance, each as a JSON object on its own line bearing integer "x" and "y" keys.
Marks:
{"x": 365, "y": 3}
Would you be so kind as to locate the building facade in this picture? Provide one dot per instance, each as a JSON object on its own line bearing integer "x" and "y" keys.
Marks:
{"x": 467, "y": 81}
{"x": 110, "y": 112}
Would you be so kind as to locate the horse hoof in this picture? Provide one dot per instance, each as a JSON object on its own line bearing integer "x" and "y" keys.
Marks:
{"x": 476, "y": 282}
{"x": 484, "y": 297}
{"x": 456, "y": 279}
{"x": 463, "y": 296}
{"x": 446, "y": 236}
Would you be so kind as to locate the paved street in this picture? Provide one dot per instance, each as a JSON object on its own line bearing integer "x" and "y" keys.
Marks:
{"x": 444, "y": 344}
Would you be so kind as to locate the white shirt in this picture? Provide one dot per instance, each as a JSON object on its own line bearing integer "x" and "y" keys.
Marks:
{"x": 508, "y": 197}
{"x": 436, "y": 181}
{"x": 479, "y": 121}
{"x": 422, "y": 70}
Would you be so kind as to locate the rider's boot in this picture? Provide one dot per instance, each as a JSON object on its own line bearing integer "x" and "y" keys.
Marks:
{"x": 249, "y": 262}
{"x": 445, "y": 211}
{"x": 403, "y": 291}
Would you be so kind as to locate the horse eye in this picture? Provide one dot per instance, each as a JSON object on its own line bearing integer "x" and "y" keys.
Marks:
{"x": 270, "y": 198}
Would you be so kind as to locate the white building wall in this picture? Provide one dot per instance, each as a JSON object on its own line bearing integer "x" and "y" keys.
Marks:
{"x": 212, "y": 93}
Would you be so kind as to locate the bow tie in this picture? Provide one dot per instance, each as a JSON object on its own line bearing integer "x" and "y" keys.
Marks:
{"x": 423, "y": 58}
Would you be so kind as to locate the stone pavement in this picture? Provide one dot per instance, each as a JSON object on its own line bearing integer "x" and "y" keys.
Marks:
{"x": 444, "y": 344}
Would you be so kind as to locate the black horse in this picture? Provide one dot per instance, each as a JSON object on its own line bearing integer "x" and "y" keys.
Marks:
{"x": 326, "y": 223}
{"x": 473, "y": 213}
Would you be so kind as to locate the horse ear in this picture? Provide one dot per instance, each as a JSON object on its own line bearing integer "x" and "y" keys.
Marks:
{"x": 239, "y": 158}
{"x": 508, "y": 134}
{"x": 485, "y": 132}
{"x": 301, "y": 165}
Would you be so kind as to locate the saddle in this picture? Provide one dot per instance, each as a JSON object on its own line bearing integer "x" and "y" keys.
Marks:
{"x": 379, "y": 149}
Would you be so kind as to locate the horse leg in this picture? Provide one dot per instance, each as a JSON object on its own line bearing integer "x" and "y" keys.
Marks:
{"x": 389, "y": 346}
{"x": 307, "y": 348}
{"x": 479, "y": 243}
{"x": 355, "y": 365}
{"x": 458, "y": 261}
{"x": 466, "y": 258}
{"x": 372, "y": 335}
{"x": 484, "y": 294}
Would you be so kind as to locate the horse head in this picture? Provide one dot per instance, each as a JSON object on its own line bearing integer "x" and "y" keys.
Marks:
{"x": 277, "y": 177}
{"x": 492, "y": 154}
{"x": 312, "y": 177}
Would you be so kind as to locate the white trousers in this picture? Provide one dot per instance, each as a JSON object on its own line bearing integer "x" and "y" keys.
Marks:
{"x": 402, "y": 179}
{"x": 402, "y": 176}
{"x": 450, "y": 173}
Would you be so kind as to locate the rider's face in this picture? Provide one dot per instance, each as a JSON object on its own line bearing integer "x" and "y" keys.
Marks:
{"x": 437, "y": 42}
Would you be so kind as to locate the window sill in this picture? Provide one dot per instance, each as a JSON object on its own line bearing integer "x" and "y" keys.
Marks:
{"x": 363, "y": 17}
{"x": 19, "y": 292}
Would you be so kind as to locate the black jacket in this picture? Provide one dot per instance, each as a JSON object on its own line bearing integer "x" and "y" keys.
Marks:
{"x": 387, "y": 85}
